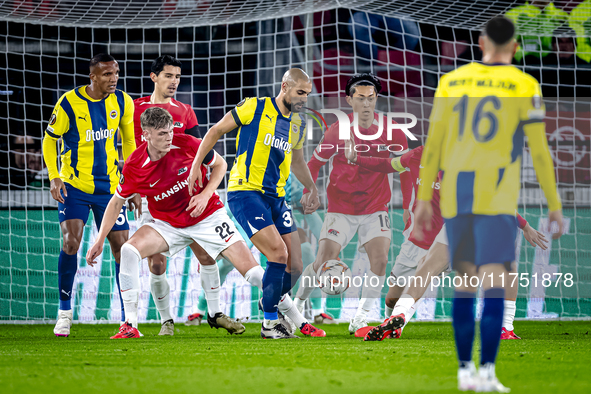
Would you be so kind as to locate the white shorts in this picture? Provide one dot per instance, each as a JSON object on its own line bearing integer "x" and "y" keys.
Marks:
{"x": 341, "y": 228}
{"x": 146, "y": 216}
{"x": 410, "y": 254}
{"x": 442, "y": 236}
{"x": 215, "y": 233}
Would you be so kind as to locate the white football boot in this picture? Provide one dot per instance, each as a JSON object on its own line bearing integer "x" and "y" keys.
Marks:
{"x": 356, "y": 324}
{"x": 64, "y": 322}
{"x": 468, "y": 378}
{"x": 488, "y": 381}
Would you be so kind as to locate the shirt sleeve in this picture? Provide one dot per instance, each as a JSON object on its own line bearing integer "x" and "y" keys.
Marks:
{"x": 244, "y": 111}
{"x": 432, "y": 151}
{"x": 127, "y": 128}
{"x": 298, "y": 131}
{"x": 535, "y": 130}
{"x": 127, "y": 187}
{"x": 58, "y": 125}
{"x": 191, "y": 120}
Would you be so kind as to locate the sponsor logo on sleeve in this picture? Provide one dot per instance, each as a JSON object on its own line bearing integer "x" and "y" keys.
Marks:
{"x": 52, "y": 120}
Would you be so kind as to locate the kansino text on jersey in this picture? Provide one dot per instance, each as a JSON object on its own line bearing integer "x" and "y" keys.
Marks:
{"x": 393, "y": 148}
{"x": 102, "y": 134}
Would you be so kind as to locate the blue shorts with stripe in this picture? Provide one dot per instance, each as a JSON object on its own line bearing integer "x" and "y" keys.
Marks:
{"x": 254, "y": 211}
{"x": 481, "y": 239}
{"x": 78, "y": 205}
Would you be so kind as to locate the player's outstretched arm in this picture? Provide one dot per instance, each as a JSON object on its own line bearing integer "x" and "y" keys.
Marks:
{"x": 300, "y": 169}
{"x": 109, "y": 219}
{"x": 199, "y": 202}
{"x": 542, "y": 161}
{"x": 222, "y": 127}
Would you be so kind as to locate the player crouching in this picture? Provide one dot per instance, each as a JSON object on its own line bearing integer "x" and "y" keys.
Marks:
{"x": 159, "y": 169}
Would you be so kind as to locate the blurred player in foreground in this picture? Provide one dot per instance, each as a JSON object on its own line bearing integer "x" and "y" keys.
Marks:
{"x": 480, "y": 115}
{"x": 159, "y": 171}
{"x": 357, "y": 198}
{"x": 88, "y": 120}
{"x": 166, "y": 75}
{"x": 270, "y": 132}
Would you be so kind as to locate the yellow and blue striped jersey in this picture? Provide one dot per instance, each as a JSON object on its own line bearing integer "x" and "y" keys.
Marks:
{"x": 90, "y": 130}
{"x": 477, "y": 126}
{"x": 264, "y": 146}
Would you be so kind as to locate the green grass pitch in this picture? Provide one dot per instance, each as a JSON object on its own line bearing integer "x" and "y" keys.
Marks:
{"x": 552, "y": 357}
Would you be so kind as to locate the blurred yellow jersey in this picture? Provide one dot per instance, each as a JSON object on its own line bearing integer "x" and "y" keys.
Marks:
{"x": 477, "y": 126}
{"x": 264, "y": 146}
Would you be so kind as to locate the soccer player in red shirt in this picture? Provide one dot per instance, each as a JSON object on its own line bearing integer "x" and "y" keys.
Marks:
{"x": 159, "y": 169}
{"x": 166, "y": 75}
{"x": 357, "y": 198}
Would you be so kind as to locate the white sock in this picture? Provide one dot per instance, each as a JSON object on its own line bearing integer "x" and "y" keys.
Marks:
{"x": 129, "y": 280}
{"x": 369, "y": 294}
{"x": 254, "y": 276}
{"x": 307, "y": 282}
{"x": 389, "y": 311}
{"x": 287, "y": 307}
{"x": 161, "y": 295}
{"x": 300, "y": 304}
{"x": 270, "y": 323}
{"x": 210, "y": 281}
{"x": 509, "y": 315}
{"x": 316, "y": 312}
{"x": 404, "y": 305}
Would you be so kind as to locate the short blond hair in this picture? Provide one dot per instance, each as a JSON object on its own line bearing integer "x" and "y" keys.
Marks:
{"x": 156, "y": 118}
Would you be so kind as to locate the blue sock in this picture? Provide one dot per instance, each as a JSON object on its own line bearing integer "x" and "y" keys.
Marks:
{"x": 272, "y": 286}
{"x": 463, "y": 324}
{"x": 66, "y": 271}
{"x": 117, "y": 269}
{"x": 289, "y": 279}
{"x": 491, "y": 324}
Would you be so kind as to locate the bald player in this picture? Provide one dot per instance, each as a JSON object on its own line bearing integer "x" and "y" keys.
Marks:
{"x": 268, "y": 145}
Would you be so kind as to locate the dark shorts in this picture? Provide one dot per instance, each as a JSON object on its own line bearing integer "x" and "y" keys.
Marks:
{"x": 254, "y": 211}
{"x": 78, "y": 205}
{"x": 481, "y": 239}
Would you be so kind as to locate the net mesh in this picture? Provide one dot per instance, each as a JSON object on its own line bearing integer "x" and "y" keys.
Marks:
{"x": 231, "y": 50}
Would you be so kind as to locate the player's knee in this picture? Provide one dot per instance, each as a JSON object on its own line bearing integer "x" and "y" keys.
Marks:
{"x": 391, "y": 302}
{"x": 71, "y": 244}
{"x": 157, "y": 264}
{"x": 278, "y": 254}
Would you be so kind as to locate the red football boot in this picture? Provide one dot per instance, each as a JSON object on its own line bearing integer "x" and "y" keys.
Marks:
{"x": 309, "y": 330}
{"x": 385, "y": 329}
{"x": 126, "y": 331}
{"x": 362, "y": 332}
{"x": 506, "y": 334}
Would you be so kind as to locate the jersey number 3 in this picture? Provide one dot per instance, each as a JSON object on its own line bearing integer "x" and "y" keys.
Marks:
{"x": 479, "y": 113}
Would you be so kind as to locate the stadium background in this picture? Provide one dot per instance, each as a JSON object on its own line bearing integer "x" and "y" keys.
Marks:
{"x": 236, "y": 49}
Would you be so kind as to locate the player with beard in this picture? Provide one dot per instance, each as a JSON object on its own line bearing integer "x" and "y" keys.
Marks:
{"x": 357, "y": 198}
{"x": 270, "y": 134}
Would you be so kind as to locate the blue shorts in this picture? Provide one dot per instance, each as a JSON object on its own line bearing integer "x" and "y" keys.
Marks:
{"x": 254, "y": 211}
{"x": 78, "y": 205}
{"x": 481, "y": 239}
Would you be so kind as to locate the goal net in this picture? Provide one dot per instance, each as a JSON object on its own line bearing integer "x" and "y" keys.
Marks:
{"x": 236, "y": 49}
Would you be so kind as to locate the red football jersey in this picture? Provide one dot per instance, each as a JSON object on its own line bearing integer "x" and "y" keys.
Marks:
{"x": 354, "y": 190}
{"x": 182, "y": 114}
{"x": 164, "y": 182}
{"x": 412, "y": 161}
